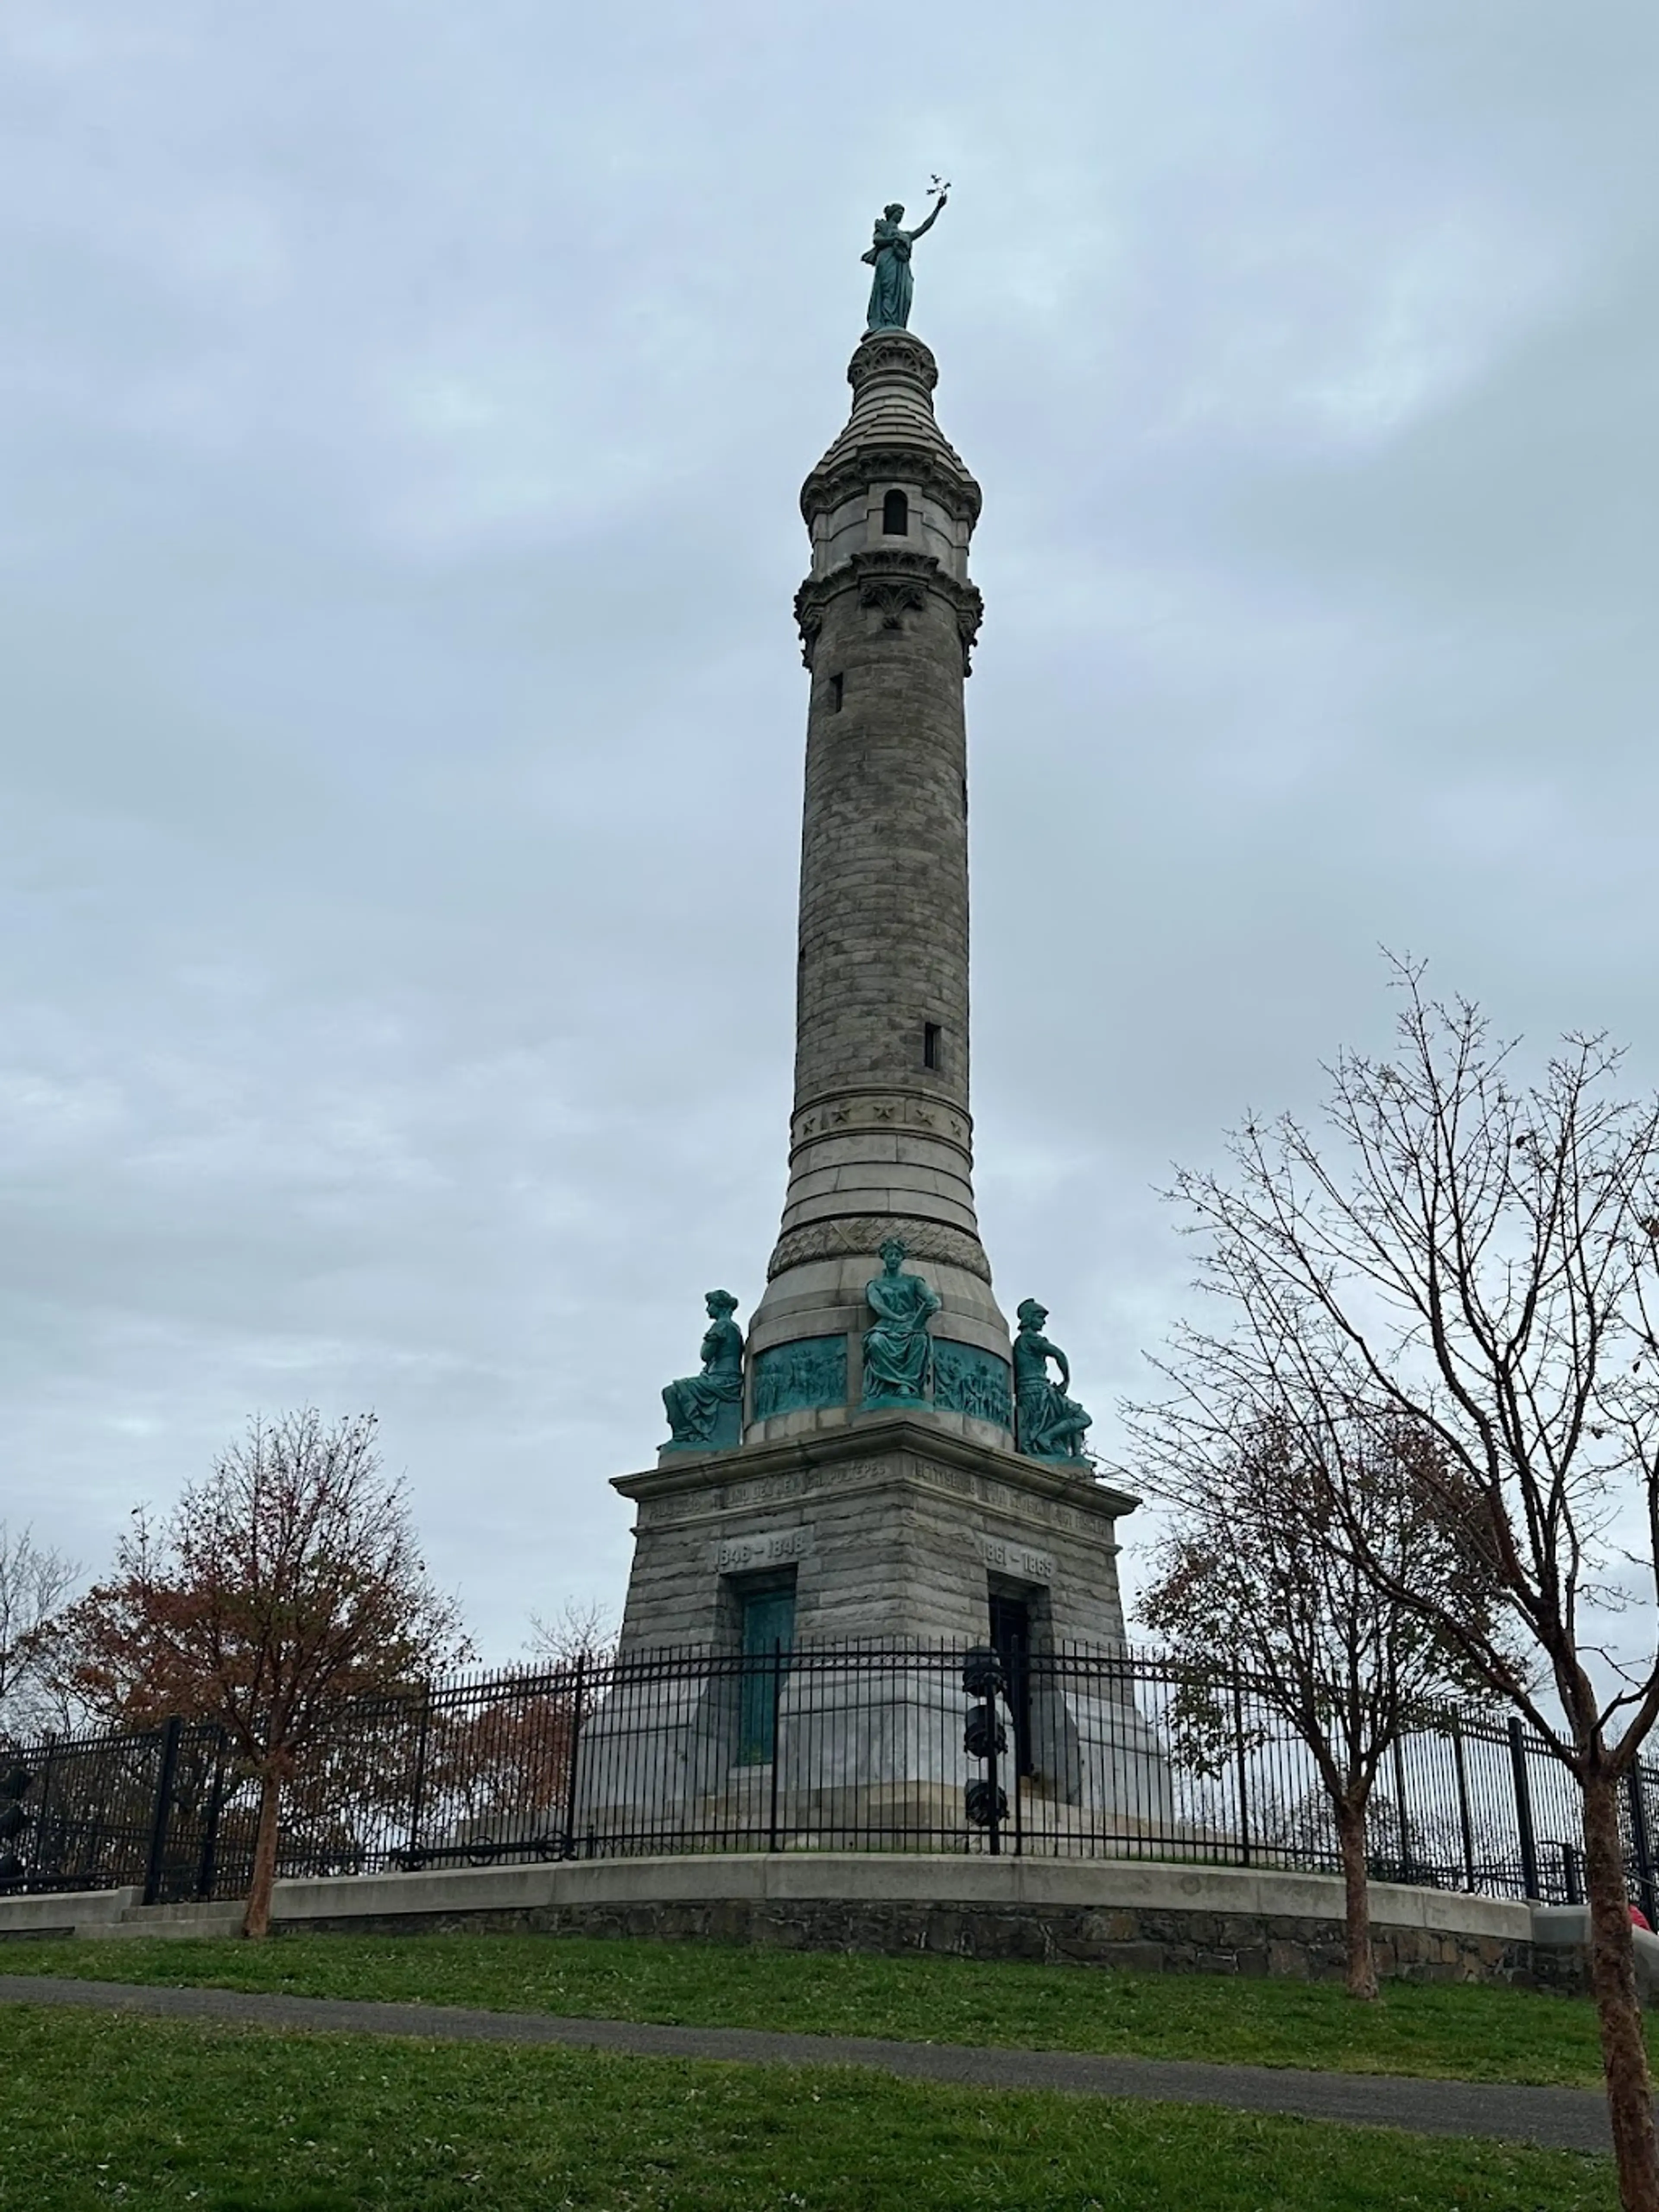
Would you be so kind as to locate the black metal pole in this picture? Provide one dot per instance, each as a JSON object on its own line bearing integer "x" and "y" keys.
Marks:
{"x": 1403, "y": 1824}
{"x": 43, "y": 1801}
{"x": 995, "y": 1826}
{"x": 777, "y": 1708}
{"x": 1572, "y": 1880}
{"x": 1529, "y": 1884}
{"x": 1022, "y": 1714}
{"x": 1640, "y": 1841}
{"x": 1243, "y": 1774}
{"x": 207, "y": 1866}
{"x": 1466, "y": 1825}
{"x": 567, "y": 1841}
{"x": 161, "y": 1816}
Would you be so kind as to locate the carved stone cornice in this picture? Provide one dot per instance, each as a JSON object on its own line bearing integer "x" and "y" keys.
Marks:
{"x": 900, "y": 1449}
{"x": 893, "y": 583}
{"x": 846, "y": 472}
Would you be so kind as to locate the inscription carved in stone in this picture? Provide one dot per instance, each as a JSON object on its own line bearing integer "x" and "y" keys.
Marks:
{"x": 770, "y": 1547}
{"x": 762, "y": 1491}
{"x": 1007, "y": 1556}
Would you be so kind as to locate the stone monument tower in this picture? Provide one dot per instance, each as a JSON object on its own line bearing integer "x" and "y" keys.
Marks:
{"x": 878, "y": 1460}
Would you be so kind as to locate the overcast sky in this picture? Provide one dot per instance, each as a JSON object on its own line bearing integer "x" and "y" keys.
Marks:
{"x": 402, "y": 414}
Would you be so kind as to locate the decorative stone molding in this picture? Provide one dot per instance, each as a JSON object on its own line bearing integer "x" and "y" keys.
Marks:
{"x": 888, "y": 353}
{"x": 810, "y": 603}
{"x": 851, "y": 1234}
{"x": 894, "y": 583}
{"x": 970, "y": 612}
{"x": 843, "y": 474}
{"x": 892, "y": 597}
{"x": 882, "y": 1110}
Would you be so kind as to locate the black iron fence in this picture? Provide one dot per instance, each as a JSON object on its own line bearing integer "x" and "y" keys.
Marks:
{"x": 1077, "y": 1753}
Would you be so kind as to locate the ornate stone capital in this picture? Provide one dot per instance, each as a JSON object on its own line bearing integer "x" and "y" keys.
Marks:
{"x": 889, "y": 353}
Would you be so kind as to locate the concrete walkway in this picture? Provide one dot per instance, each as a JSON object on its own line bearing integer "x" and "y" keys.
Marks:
{"x": 1566, "y": 2119}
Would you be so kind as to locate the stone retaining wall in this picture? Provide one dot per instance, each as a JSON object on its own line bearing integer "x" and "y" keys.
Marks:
{"x": 1135, "y": 1914}
{"x": 1128, "y": 1914}
{"x": 1132, "y": 1939}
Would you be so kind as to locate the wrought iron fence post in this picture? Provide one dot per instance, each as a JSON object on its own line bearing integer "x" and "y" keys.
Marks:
{"x": 207, "y": 1866}
{"x": 1529, "y": 1885}
{"x": 161, "y": 1817}
{"x": 1243, "y": 1773}
{"x": 777, "y": 1708}
{"x": 993, "y": 1829}
{"x": 1640, "y": 1842}
{"x": 1401, "y": 1821}
{"x": 568, "y": 1842}
{"x": 44, "y": 1801}
{"x": 1466, "y": 1825}
{"x": 1021, "y": 1686}
{"x": 1571, "y": 1879}
{"x": 418, "y": 1785}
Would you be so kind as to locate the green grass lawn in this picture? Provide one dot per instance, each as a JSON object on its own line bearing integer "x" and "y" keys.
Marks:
{"x": 1478, "y": 2033}
{"x": 152, "y": 2114}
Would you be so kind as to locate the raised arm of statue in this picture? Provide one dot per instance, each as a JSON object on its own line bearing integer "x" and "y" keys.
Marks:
{"x": 938, "y": 209}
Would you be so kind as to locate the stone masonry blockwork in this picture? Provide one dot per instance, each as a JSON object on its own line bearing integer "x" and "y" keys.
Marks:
{"x": 881, "y": 1135}
{"x": 884, "y": 889}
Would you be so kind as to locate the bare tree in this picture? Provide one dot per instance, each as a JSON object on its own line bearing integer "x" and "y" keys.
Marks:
{"x": 1247, "y": 1580}
{"x": 576, "y": 1631}
{"x": 1473, "y": 1255}
{"x": 34, "y": 1582}
{"x": 286, "y": 1582}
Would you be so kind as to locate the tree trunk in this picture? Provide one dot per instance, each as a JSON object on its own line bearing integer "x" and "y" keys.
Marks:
{"x": 1356, "y": 1895}
{"x": 1613, "y": 1984}
{"x": 256, "y": 1921}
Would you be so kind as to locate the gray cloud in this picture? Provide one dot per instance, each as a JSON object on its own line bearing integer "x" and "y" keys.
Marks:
{"x": 402, "y": 722}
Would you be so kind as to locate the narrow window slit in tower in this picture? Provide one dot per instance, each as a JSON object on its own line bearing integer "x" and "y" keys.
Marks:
{"x": 930, "y": 1044}
{"x": 837, "y": 692}
{"x": 895, "y": 515}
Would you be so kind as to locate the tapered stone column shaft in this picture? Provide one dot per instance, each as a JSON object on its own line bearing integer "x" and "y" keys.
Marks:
{"x": 881, "y": 1135}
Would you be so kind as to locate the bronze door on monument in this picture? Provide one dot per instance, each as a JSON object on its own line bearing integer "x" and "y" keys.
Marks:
{"x": 768, "y": 1631}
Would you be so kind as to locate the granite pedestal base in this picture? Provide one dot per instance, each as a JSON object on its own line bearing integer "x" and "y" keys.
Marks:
{"x": 879, "y": 1551}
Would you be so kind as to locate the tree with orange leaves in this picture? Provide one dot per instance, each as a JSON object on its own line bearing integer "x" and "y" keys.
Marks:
{"x": 286, "y": 1581}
